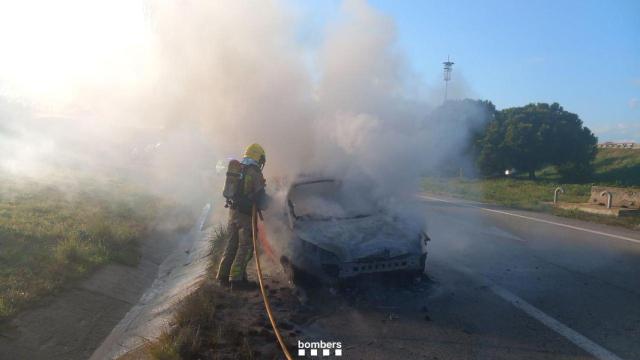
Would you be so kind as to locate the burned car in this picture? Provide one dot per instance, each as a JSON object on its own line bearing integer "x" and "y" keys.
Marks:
{"x": 335, "y": 235}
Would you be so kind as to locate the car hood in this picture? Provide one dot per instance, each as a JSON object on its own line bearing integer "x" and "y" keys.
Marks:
{"x": 374, "y": 237}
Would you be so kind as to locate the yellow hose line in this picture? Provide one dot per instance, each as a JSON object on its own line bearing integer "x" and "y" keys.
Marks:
{"x": 267, "y": 305}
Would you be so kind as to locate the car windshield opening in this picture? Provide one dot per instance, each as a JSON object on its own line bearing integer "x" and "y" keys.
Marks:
{"x": 329, "y": 200}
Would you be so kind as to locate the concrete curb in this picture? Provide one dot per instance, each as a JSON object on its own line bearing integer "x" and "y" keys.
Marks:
{"x": 178, "y": 276}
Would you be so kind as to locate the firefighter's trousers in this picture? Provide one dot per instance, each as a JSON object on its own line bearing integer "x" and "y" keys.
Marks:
{"x": 239, "y": 248}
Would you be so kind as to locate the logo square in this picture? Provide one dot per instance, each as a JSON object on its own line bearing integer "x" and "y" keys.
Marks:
{"x": 314, "y": 352}
{"x": 301, "y": 352}
{"x": 338, "y": 352}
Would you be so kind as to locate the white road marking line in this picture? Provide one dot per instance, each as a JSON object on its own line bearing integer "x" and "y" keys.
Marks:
{"x": 575, "y": 337}
{"x": 578, "y": 339}
{"x": 619, "y": 237}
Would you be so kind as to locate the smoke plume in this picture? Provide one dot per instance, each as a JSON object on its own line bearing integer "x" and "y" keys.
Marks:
{"x": 196, "y": 81}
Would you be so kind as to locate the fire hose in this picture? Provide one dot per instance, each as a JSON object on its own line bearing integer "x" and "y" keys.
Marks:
{"x": 267, "y": 305}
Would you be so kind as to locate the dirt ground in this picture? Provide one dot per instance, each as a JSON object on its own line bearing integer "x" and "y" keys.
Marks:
{"x": 247, "y": 309}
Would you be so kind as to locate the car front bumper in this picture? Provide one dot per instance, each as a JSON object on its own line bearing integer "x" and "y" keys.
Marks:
{"x": 400, "y": 263}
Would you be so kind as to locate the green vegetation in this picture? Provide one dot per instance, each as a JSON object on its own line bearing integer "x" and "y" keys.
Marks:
{"x": 204, "y": 326}
{"x": 531, "y": 137}
{"x": 199, "y": 330}
{"x": 51, "y": 235}
{"x": 523, "y": 194}
{"x": 516, "y": 193}
{"x": 614, "y": 167}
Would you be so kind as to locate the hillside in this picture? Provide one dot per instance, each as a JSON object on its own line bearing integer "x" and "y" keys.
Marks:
{"x": 616, "y": 167}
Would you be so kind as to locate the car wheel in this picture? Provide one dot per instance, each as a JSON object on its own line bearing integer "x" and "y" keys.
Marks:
{"x": 298, "y": 277}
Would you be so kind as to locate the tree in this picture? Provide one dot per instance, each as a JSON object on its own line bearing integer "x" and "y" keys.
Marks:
{"x": 458, "y": 125}
{"x": 490, "y": 153}
{"x": 536, "y": 135}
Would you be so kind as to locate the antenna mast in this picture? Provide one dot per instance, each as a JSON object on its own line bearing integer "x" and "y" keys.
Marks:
{"x": 448, "y": 65}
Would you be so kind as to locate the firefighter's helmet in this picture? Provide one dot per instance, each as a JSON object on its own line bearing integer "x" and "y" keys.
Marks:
{"x": 256, "y": 152}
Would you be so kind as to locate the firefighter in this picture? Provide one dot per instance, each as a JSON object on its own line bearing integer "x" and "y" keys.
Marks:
{"x": 250, "y": 191}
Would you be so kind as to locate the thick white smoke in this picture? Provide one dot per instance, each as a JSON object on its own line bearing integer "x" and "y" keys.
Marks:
{"x": 204, "y": 79}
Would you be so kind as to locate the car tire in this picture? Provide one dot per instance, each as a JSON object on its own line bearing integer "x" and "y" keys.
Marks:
{"x": 298, "y": 277}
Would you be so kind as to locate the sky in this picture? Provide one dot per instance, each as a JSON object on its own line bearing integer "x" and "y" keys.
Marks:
{"x": 583, "y": 54}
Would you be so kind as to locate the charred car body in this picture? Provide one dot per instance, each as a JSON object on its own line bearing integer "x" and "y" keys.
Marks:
{"x": 335, "y": 235}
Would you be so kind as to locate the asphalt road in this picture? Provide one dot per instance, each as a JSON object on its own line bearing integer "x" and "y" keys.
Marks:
{"x": 504, "y": 284}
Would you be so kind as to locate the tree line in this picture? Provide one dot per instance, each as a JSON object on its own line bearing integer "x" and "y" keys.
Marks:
{"x": 526, "y": 138}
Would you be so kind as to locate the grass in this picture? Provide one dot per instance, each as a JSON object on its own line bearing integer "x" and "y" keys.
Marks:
{"x": 200, "y": 331}
{"x": 615, "y": 167}
{"x": 618, "y": 167}
{"x": 203, "y": 326}
{"x": 523, "y": 194}
{"x": 516, "y": 193}
{"x": 53, "y": 235}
